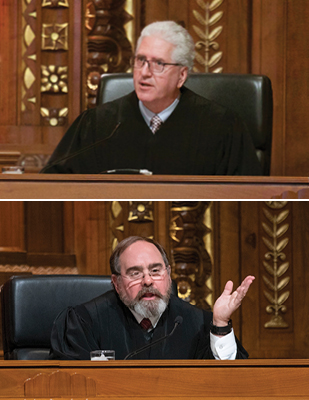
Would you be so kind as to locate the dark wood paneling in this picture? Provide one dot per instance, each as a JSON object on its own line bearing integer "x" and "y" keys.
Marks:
{"x": 12, "y": 228}
{"x": 44, "y": 226}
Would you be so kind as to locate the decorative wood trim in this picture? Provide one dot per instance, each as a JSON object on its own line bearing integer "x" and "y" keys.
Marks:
{"x": 191, "y": 263}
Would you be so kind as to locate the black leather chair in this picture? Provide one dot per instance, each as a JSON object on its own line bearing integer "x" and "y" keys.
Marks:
{"x": 250, "y": 96}
{"x": 30, "y": 305}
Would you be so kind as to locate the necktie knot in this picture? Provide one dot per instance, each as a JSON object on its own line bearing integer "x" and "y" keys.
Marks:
{"x": 155, "y": 123}
{"x": 146, "y": 324}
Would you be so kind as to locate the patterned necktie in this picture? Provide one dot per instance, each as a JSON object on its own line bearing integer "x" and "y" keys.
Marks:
{"x": 146, "y": 324}
{"x": 155, "y": 123}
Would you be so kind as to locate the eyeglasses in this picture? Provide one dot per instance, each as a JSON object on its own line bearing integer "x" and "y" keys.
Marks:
{"x": 156, "y": 273}
{"x": 155, "y": 66}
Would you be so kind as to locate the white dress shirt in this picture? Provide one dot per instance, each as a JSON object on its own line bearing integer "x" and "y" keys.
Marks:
{"x": 223, "y": 348}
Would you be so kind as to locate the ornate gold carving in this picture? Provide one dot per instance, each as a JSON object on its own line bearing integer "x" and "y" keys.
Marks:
{"x": 108, "y": 48}
{"x": 59, "y": 382}
{"x": 29, "y": 78}
{"x": 274, "y": 281}
{"x": 208, "y": 35}
{"x": 29, "y": 35}
{"x": 28, "y": 64}
{"x": 54, "y": 116}
{"x": 54, "y": 79}
{"x": 140, "y": 211}
{"x": 55, "y": 36}
{"x": 191, "y": 263}
{"x": 131, "y": 218}
{"x": 55, "y": 3}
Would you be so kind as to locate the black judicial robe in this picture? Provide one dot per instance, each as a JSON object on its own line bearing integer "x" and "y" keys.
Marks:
{"x": 199, "y": 138}
{"x": 106, "y": 323}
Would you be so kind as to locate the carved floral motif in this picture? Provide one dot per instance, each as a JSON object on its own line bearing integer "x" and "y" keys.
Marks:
{"x": 192, "y": 265}
{"x": 208, "y": 32}
{"x": 275, "y": 263}
{"x": 54, "y": 79}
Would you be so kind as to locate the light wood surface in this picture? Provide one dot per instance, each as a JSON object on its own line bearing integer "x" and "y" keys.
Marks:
{"x": 239, "y": 379}
{"x": 36, "y": 186}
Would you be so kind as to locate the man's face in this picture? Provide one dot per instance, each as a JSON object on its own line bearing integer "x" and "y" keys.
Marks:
{"x": 158, "y": 91}
{"x": 144, "y": 295}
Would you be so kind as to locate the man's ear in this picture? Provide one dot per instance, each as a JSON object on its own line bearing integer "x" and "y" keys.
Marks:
{"x": 183, "y": 77}
{"x": 115, "y": 282}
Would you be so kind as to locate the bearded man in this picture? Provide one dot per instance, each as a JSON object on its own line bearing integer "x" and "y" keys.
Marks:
{"x": 141, "y": 309}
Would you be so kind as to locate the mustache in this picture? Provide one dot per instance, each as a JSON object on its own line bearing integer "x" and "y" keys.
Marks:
{"x": 151, "y": 290}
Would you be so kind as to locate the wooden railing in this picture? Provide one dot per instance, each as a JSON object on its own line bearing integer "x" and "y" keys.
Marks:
{"x": 195, "y": 379}
{"x": 37, "y": 186}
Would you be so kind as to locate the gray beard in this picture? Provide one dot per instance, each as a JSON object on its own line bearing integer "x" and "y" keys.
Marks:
{"x": 147, "y": 308}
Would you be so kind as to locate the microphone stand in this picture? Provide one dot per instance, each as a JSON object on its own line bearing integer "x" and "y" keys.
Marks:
{"x": 178, "y": 321}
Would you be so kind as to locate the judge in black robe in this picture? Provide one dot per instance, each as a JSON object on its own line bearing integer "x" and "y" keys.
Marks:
{"x": 200, "y": 137}
{"x": 106, "y": 323}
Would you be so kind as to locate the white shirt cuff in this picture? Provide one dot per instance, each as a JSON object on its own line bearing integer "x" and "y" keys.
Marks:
{"x": 223, "y": 348}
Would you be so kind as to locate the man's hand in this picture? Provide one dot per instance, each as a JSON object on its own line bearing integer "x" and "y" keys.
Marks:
{"x": 228, "y": 302}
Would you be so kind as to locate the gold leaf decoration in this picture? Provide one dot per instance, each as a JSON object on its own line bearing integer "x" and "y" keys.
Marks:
{"x": 215, "y": 33}
{"x": 199, "y": 32}
{"x": 267, "y": 229}
{"x": 200, "y": 19}
{"x": 215, "y": 4}
{"x": 268, "y": 215}
{"x": 275, "y": 252}
{"x": 215, "y": 59}
{"x": 215, "y": 18}
{"x": 268, "y": 283}
{"x": 282, "y": 284}
{"x": 268, "y": 243}
{"x": 283, "y": 298}
{"x": 282, "y": 269}
{"x": 200, "y": 59}
{"x": 217, "y": 70}
{"x": 282, "y": 216}
{"x": 281, "y": 231}
{"x": 269, "y": 297}
{"x": 202, "y": 4}
{"x": 282, "y": 245}
{"x": 211, "y": 57}
{"x": 268, "y": 268}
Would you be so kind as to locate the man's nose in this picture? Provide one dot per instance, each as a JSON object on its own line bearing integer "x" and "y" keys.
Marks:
{"x": 147, "y": 279}
{"x": 146, "y": 71}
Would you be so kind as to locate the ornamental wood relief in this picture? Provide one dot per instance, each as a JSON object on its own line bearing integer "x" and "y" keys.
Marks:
{"x": 276, "y": 263}
{"x": 208, "y": 17}
{"x": 208, "y": 243}
{"x": 191, "y": 262}
{"x": 108, "y": 47}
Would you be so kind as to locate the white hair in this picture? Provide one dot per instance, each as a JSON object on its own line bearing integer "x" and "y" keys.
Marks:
{"x": 170, "y": 31}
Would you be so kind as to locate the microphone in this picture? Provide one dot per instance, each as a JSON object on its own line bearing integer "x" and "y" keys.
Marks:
{"x": 178, "y": 321}
{"x": 127, "y": 171}
{"x": 83, "y": 150}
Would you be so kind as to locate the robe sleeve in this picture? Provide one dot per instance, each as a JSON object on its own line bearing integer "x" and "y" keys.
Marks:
{"x": 65, "y": 159}
{"x": 239, "y": 155}
{"x": 72, "y": 336}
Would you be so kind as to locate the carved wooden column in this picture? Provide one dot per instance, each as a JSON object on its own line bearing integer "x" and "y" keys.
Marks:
{"x": 191, "y": 262}
{"x": 129, "y": 218}
{"x": 108, "y": 46}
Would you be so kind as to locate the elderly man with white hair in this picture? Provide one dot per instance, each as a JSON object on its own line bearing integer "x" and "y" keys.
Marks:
{"x": 161, "y": 126}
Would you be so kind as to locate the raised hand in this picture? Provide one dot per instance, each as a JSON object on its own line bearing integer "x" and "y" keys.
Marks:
{"x": 229, "y": 301}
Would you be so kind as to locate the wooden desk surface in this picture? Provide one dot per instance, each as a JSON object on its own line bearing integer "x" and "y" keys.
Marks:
{"x": 36, "y": 186}
{"x": 194, "y": 379}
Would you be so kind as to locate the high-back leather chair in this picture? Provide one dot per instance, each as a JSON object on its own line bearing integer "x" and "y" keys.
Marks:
{"x": 250, "y": 96}
{"x": 30, "y": 305}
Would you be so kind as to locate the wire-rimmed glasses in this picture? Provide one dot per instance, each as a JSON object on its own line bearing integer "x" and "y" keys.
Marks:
{"x": 155, "y": 66}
